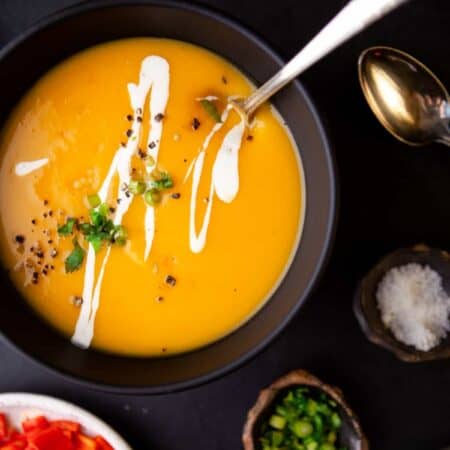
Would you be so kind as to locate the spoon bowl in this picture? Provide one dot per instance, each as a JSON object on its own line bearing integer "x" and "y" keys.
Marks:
{"x": 405, "y": 96}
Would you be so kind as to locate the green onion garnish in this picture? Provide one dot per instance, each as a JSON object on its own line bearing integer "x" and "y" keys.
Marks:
{"x": 67, "y": 228}
{"x": 94, "y": 200}
{"x": 137, "y": 187}
{"x": 211, "y": 109}
{"x": 75, "y": 259}
{"x": 152, "y": 197}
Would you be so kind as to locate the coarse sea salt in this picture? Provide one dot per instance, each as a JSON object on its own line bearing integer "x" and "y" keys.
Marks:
{"x": 414, "y": 305}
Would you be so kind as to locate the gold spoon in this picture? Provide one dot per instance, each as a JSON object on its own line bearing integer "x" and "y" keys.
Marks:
{"x": 354, "y": 17}
{"x": 405, "y": 96}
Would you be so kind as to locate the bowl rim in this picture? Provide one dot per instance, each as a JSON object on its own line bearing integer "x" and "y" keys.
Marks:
{"x": 49, "y": 405}
{"x": 331, "y": 227}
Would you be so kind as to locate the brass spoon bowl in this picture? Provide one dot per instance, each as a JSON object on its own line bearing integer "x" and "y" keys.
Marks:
{"x": 405, "y": 96}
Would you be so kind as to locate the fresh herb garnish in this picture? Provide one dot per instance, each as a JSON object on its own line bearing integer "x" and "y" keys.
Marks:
{"x": 303, "y": 419}
{"x": 211, "y": 109}
{"x": 162, "y": 181}
{"x": 67, "y": 228}
{"x": 94, "y": 200}
{"x": 99, "y": 231}
{"x": 75, "y": 259}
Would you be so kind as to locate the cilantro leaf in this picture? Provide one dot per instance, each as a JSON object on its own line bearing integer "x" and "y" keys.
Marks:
{"x": 75, "y": 259}
{"x": 67, "y": 228}
{"x": 96, "y": 241}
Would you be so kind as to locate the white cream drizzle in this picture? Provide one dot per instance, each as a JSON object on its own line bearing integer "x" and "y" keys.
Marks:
{"x": 224, "y": 180}
{"x": 154, "y": 76}
{"x": 27, "y": 167}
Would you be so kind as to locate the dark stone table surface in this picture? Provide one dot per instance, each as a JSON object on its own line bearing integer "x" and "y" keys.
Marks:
{"x": 391, "y": 196}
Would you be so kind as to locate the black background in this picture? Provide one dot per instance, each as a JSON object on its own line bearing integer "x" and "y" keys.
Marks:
{"x": 391, "y": 196}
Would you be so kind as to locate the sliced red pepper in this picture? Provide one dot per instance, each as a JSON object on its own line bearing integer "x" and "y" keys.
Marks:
{"x": 16, "y": 445}
{"x": 102, "y": 443}
{"x": 50, "y": 438}
{"x": 67, "y": 425}
{"x": 85, "y": 443}
{"x": 35, "y": 423}
{"x": 4, "y": 431}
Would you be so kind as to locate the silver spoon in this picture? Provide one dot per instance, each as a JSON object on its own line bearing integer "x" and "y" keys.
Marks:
{"x": 354, "y": 17}
{"x": 406, "y": 97}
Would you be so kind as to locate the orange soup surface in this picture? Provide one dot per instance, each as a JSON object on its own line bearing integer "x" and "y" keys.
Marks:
{"x": 120, "y": 225}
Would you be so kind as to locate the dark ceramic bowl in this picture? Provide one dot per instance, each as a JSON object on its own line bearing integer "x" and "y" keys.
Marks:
{"x": 32, "y": 54}
{"x": 368, "y": 314}
{"x": 351, "y": 435}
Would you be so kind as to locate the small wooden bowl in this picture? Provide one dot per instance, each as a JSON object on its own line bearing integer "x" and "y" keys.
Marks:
{"x": 366, "y": 308}
{"x": 351, "y": 434}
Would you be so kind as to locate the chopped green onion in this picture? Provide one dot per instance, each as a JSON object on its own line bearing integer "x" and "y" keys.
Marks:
{"x": 120, "y": 235}
{"x": 336, "y": 420}
{"x": 211, "y": 109}
{"x": 150, "y": 161}
{"x": 303, "y": 419}
{"x": 94, "y": 200}
{"x": 137, "y": 187}
{"x": 152, "y": 197}
{"x": 277, "y": 422}
{"x": 164, "y": 181}
{"x": 302, "y": 428}
{"x": 103, "y": 209}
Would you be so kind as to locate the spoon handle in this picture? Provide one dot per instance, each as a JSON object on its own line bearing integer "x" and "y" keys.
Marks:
{"x": 354, "y": 17}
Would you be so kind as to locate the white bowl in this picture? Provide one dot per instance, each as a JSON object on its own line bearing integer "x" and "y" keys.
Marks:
{"x": 18, "y": 406}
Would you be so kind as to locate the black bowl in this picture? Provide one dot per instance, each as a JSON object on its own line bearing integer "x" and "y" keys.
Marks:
{"x": 27, "y": 58}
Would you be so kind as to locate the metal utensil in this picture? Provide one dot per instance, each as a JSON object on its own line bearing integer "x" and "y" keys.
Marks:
{"x": 354, "y": 17}
{"x": 406, "y": 97}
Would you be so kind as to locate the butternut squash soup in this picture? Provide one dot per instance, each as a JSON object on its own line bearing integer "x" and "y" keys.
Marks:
{"x": 139, "y": 215}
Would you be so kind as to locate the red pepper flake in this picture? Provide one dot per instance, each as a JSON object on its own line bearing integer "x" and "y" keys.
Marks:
{"x": 249, "y": 137}
{"x": 112, "y": 210}
{"x": 130, "y": 117}
{"x": 44, "y": 271}
{"x": 159, "y": 298}
{"x": 164, "y": 349}
{"x": 185, "y": 160}
{"x": 195, "y": 123}
{"x": 50, "y": 241}
{"x": 224, "y": 79}
{"x": 122, "y": 144}
{"x": 45, "y": 215}
{"x": 50, "y": 213}
{"x": 142, "y": 154}
{"x": 45, "y": 202}
{"x": 52, "y": 267}
{"x": 170, "y": 280}
{"x": 176, "y": 195}
{"x": 139, "y": 119}
{"x": 40, "y": 254}
{"x": 53, "y": 252}
{"x": 33, "y": 221}
{"x": 159, "y": 117}
{"x": 19, "y": 238}
{"x": 139, "y": 111}
{"x": 152, "y": 145}
{"x": 129, "y": 132}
